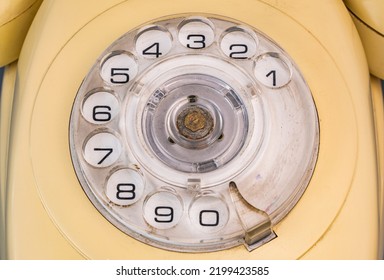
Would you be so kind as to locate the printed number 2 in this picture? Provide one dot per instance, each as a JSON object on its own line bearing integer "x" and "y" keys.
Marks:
{"x": 237, "y": 50}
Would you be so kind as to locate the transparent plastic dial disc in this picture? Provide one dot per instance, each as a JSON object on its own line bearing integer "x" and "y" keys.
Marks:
{"x": 194, "y": 134}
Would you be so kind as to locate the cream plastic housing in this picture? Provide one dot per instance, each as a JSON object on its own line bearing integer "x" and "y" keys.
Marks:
{"x": 338, "y": 207}
{"x": 368, "y": 18}
{"x": 369, "y": 11}
{"x": 15, "y": 19}
{"x": 7, "y": 92}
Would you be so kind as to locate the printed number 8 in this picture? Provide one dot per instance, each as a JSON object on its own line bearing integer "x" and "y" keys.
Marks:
{"x": 126, "y": 191}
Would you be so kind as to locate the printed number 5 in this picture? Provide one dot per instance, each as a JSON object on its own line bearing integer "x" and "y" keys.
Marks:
{"x": 119, "y": 75}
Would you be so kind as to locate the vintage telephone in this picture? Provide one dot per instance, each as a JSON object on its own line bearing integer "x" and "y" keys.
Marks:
{"x": 205, "y": 129}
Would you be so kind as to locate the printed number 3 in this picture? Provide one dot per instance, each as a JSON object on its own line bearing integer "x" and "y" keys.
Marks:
{"x": 198, "y": 42}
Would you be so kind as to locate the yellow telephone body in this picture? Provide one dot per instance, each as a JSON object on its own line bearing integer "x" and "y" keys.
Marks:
{"x": 367, "y": 16}
{"x": 47, "y": 215}
{"x": 15, "y": 18}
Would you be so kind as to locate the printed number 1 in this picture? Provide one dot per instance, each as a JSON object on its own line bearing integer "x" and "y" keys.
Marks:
{"x": 273, "y": 73}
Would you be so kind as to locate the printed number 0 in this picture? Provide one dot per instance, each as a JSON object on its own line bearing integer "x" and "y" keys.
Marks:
{"x": 209, "y": 223}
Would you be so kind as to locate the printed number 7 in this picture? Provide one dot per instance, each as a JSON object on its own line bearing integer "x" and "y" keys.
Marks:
{"x": 108, "y": 150}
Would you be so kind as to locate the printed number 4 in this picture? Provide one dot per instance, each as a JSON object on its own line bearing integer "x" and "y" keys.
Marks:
{"x": 153, "y": 49}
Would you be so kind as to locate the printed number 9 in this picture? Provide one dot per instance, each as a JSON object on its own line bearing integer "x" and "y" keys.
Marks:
{"x": 164, "y": 214}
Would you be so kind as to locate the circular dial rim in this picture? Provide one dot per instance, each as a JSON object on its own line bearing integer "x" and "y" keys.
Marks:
{"x": 185, "y": 247}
